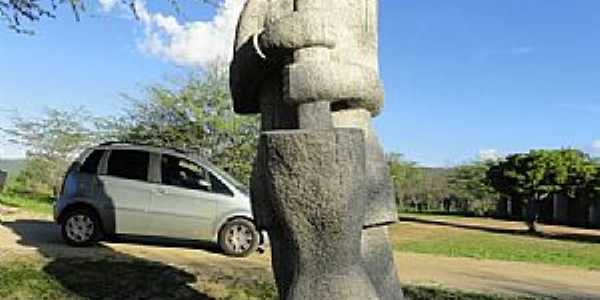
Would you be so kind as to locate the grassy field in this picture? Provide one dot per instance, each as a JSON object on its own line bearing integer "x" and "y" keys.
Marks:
{"x": 441, "y": 240}
{"x": 86, "y": 279}
{"x": 35, "y": 204}
{"x": 106, "y": 279}
{"x": 483, "y": 244}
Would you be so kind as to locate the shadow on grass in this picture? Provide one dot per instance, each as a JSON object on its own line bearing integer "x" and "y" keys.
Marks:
{"x": 102, "y": 273}
{"x": 576, "y": 237}
{"x": 431, "y": 293}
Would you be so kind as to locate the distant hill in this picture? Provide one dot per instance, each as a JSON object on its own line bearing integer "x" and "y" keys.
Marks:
{"x": 12, "y": 166}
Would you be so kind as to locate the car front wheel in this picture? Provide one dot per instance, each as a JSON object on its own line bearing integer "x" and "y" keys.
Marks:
{"x": 239, "y": 237}
{"x": 81, "y": 228}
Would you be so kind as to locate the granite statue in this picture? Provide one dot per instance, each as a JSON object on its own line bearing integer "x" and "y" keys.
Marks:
{"x": 320, "y": 186}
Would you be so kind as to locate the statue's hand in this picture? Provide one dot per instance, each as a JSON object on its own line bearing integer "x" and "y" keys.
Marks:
{"x": 296, "y": 31}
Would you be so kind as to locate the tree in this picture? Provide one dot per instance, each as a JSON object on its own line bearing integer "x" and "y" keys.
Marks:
{"x": 417, "y": 188}
{"x": 534, "y": 176}
{"x": 51, "y": 142}
{"x": 194, "y": 115}
{"x": 468, "y": 185}
{"x": 404, "y": 176}
{"x": 17, "y": 12}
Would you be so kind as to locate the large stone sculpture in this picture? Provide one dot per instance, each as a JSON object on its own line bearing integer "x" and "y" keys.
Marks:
{"x": 320, "y": 183}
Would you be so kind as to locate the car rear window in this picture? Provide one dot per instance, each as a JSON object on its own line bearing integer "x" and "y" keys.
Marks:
{"x": 90, "y": 166}
{"x": 129, "y": 164}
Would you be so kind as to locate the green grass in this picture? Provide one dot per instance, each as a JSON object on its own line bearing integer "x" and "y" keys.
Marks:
{"x": 472, "y": 243}
{"x": 20, "y": 281}
{"x": 75, "y": 279}
{"x": 30, "y": 203}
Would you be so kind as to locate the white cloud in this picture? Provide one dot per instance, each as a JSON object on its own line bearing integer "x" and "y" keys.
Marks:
{"x": 489, "y": 154}
{"x": 108, "y": 5}
{"x": 193, "y": 43}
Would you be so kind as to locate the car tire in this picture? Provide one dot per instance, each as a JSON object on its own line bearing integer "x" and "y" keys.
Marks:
{"x": 81, "y": 228}
{"x": 239, "y": 237}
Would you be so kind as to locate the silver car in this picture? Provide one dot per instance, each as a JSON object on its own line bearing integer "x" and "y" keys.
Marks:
{"x": 124, "y": 189}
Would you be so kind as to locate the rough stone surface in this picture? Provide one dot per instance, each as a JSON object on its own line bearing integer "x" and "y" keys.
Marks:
{"x": 319, "y": 56}
{"x": 378, "y": 261}
{"x": 318, "y": 212}
{"x": 320, "y": 184}
{"x": 381, "y": 204}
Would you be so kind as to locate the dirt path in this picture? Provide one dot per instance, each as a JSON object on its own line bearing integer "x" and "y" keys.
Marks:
{"x": 22, "y": 235}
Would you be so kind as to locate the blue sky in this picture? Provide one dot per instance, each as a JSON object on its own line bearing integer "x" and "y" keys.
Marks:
{"x": 463, "y": 78}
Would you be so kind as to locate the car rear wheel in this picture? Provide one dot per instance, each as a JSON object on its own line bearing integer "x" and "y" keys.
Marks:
{"x": 81, "y": 228}
{"x": 239, "y": 237}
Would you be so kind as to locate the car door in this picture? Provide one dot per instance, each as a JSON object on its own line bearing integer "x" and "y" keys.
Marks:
{"x": 183, "y": 205}
{"x": 125, "y": 185}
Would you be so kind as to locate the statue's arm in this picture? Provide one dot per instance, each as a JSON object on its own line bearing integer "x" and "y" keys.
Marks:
{"x": 249, "y": 67}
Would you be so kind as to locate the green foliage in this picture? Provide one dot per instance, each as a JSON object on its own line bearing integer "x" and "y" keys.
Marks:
{"x": 460, "y": 189}
{"x": 52, "y": 141}
{"x": 539, "y": 173}
{"x": 591, "y": 189}
{"x": 417, "y": 188}
{"x": 38, "y": 204}
{"x": 196, "y": 115}
{"x": 469, "y": 188}
{"x": 536, "y": 175}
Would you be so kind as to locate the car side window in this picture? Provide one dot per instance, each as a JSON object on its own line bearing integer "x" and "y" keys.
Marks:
{"x": 218, "y": 186}
{"x": 90, "y": 166}
{"x": 183, "y": 173}
{"x": 129, "y": 164}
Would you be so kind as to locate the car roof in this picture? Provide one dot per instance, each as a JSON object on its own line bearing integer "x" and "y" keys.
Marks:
{"x": 153, "y": 149}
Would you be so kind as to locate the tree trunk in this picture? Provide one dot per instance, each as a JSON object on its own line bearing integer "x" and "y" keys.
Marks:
{"x": 533, "y": 212}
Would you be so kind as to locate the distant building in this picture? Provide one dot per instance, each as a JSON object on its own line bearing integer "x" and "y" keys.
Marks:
{"x": 3, "y": 176}
{"x": 558, "y": 209}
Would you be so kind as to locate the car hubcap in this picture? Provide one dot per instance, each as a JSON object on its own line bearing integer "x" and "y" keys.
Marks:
{"x": 240, "y": 238}
{"x": 79, "y": 228}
